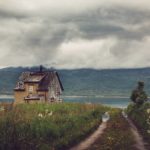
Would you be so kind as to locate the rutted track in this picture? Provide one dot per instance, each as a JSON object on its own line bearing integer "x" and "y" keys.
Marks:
{"x": 90, "y": 140}
{"x": 140, "y": 144}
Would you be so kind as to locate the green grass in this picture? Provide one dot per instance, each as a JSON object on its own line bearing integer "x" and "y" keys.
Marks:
{"x": 140, "y": 115}
{"x": 48, "y": 126}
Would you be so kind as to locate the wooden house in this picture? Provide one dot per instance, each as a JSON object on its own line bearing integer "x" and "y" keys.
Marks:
{"x": 35, "y": 87}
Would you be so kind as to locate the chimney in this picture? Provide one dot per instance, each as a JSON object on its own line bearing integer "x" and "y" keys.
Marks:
{"x": 41, "y": 68}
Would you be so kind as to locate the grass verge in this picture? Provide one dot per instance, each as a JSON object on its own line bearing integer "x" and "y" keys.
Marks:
{"x": 140, "y": 115}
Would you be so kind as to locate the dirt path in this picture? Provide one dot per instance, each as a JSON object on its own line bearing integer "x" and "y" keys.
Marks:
{"x": 90, "y": 140}
{"x": 140, "y": 144}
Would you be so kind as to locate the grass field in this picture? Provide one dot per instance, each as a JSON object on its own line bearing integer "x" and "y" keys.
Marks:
{"x": 48, "y": 127}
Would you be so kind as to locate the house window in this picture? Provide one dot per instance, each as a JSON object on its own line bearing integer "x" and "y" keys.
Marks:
{"x": 30, "y": 88}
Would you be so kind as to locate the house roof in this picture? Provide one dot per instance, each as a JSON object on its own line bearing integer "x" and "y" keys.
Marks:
{"x": 43, "y": 85}
{"x": 44, "y": 79}
{"x": 31, "y": 77}
{"x": 35, "y": 78}
{"x": 47, "y": 80}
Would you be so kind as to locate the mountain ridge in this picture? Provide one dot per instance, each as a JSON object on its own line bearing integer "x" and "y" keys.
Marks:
{"x": 86, "y": 81}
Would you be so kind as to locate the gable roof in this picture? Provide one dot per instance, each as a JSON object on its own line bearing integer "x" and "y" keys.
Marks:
{"x": 34, "y": 78}
{"x": 60, "y": 81}
{"x": 44, "y": 79}
{"x": 47, "y": 80}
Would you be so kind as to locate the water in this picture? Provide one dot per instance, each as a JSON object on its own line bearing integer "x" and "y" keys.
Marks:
{"x": 113, "y": 102}
{"x": 6, "y": 100}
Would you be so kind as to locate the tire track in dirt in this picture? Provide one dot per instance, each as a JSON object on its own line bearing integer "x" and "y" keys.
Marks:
{"x": 140, "y": 143}
{"x": 91, "y": 139}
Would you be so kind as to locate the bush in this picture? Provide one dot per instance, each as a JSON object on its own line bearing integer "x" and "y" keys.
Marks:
{"x": 140, "y": 115}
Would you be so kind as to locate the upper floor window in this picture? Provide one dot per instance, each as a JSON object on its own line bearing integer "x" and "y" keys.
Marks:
{"x": 30, "y": 88}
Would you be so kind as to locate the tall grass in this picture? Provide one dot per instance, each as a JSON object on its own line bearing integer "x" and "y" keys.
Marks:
{"x": 140, "y": 115}
{"x": 48, "y": 126}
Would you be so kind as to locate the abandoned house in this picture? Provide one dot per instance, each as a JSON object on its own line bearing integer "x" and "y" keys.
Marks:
{"x": 41, "y": 86}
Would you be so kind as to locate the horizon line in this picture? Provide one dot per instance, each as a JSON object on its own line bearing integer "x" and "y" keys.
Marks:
{"x": 48, "y": 67}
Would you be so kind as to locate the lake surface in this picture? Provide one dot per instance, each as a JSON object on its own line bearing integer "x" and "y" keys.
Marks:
{"x": 113, "y": 102}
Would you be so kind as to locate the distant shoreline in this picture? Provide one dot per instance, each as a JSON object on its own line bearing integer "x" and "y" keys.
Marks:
{"x": 6, "y": 96}
{"x": 75, "y": 96}
{"x": 96, "y": 96}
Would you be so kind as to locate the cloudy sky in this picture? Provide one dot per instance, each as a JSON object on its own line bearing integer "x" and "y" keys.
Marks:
{"x": 75, "y": 33}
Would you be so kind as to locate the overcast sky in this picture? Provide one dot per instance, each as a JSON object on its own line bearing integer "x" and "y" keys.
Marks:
{"x": 75, "y": 33}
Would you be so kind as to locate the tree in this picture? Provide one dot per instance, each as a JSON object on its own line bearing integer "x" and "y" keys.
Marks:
{"x": 138, "y": 95}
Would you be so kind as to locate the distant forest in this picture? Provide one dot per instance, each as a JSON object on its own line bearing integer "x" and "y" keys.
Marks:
{"x": 89, "y": 82}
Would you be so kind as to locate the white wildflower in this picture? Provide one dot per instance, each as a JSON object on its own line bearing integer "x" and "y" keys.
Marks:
{"x": 148, "y": 111}
{"x": 2, "y": 109}
{"x": 148, "y": 131}
{"x": 148, "y": 121}
{"x": 50, "y": 114}
{"x": 40, "y": 115}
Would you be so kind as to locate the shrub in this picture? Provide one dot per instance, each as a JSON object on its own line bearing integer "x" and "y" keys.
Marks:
{"x": 140, "y": 115}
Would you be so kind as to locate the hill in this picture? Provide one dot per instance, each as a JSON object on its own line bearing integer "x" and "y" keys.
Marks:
{"x": 89, "y": 82}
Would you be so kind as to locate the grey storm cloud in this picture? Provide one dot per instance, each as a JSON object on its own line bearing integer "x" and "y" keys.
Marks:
{"x": 63, "y": 34}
